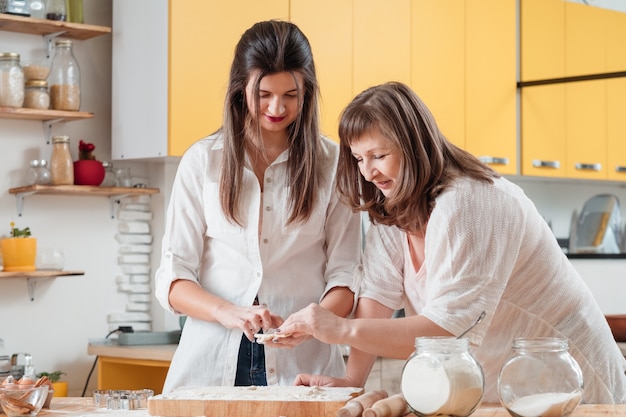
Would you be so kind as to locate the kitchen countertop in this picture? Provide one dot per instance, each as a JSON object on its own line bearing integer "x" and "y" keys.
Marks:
{"x": 84, "y": 407}
{"x": 146, "y": 352}
{"x": 165, "y": 352}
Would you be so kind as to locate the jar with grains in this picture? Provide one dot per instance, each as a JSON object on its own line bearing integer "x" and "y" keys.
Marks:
{"x": 36, "y": 94}
{"x": 38, "y": 172}
{"x": 61, "y": 164}
{"x": 11, "y": 80}
{"x": 540, "y": 378}
{"x": 64, "y": 78}
{"x": 442, "y": 378}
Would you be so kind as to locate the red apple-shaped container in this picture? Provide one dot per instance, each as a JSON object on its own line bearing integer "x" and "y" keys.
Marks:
{"x": 88, "y": 172}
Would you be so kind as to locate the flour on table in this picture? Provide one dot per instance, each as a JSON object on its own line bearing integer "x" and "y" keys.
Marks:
{"x": 263, "y": 393}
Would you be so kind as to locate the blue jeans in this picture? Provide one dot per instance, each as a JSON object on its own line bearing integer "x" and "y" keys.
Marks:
{"x": 251, "y": 364}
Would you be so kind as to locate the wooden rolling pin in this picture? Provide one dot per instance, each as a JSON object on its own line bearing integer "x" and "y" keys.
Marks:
{"x": 394, "y": 406}
{"x": 355, "y": 407}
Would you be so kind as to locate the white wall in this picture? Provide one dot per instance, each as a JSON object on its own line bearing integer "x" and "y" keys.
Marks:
{"x": 68, "y": 311}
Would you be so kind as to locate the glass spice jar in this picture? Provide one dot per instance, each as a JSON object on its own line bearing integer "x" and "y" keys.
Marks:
{"x": 38, "y": 172}
{"x": 56, "y": 10}
{"x": 61, "y": 164}
{"x": 36, "y": 95}
{"x": 442, "y": 378}
{"x": 64, "y": 78}
{"x": 540, "y": 378}
{"x": 109, "y": 175}
{"x": 11, "y": 80}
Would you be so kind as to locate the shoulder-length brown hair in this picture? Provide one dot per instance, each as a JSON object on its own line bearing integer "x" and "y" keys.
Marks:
{"x": 429, "y": 162}
{"x": 266, "y": 48}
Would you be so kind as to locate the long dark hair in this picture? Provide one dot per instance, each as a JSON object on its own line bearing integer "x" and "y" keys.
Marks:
{"x": 267, "y": 48}
{"x": 429, "y": 162}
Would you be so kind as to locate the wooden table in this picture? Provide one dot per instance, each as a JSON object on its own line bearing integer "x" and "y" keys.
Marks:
{"x": 83, "y": 407}
{"x": 132, "y": 367}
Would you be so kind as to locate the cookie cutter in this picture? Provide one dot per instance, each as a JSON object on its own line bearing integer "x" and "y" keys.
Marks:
{"x": 122, "y": 399}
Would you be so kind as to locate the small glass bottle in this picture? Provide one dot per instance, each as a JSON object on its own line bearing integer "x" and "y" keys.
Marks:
{"x": 56, "y": 10}
{"x": 64, "y": 78}
{"x": 11, "y": 80}
{"x": 122, "y": 177}
{"x": 540, "y": 378}
{"x": 37, "y": 9}
{"x": 61, "y": 164}
{"x": 442, "y": 378}
{"x": 36, "y": 95}
{"x": 109, "y": 175}
{"x": 38, "y": 172}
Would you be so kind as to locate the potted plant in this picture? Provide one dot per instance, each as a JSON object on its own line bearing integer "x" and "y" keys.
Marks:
{"x": 19, "y": 251}
{"x": 87, "y": 170}
{"x": 59, "y": 387}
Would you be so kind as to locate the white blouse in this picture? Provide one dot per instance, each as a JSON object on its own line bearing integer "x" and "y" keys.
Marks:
{"x": 487, "y": 248}
{"x": 287, "y": 266}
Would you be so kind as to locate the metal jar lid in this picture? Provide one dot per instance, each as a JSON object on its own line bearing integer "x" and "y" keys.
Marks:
{"x": 36, "y": 83}
{"x": 60, "y": 139}
{"x": 10, "y": 55}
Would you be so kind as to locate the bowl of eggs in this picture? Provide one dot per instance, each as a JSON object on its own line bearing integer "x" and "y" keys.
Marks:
{"x": 25, "y": 396}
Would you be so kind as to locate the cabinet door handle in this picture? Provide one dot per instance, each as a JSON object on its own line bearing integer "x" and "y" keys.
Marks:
{"x": 588, "y": 167}
{"x": 546, "y": 164}
{"x": 620, "y": 168}
{"x": 494, "y": 160}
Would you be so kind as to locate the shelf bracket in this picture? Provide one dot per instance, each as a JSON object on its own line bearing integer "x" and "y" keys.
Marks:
{"x": 48, "y": 45}
{"x": 113, "y": 201}
{"x": 47, "y": 128}
{"x": 31, "y": 283}
{"x": 19, "y": 202}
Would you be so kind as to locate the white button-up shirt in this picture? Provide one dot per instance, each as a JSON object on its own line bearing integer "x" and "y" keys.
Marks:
{"x": 287, "y": 266}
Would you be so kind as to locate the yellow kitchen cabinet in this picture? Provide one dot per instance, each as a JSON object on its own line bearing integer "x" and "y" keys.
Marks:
{"x": 464, "y": 68}
{"x": 438, "y": 62}
{"x": 543, "y": 139}
{"x": 356, "y": 45}
{"x": 585, "y": 39}
{"x": 381, "y": 49}
{"x": 330, "y": 36}
{"x": 616, "y": 129}
{"x": 542, "y": 39}
{"x": 585, "y": 129}
{"x": 170, "y": 71}
{"x": 615, "y": 45}
{"x": 490, "y": 74}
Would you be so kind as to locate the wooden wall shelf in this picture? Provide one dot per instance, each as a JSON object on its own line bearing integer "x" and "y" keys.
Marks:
{"x": 21, "y": 113}
{"x": 113, "y": 193}
{"x": 30, "y": 25}
{"x": 32, "y": 276}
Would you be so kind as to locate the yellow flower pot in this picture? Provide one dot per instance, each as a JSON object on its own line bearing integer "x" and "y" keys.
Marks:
{"x": 60, "y": 389}
{"x": 19, "y": 253}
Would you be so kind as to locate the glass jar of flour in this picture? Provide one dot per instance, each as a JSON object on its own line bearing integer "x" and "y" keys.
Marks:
{"x": 442, "y": 378}
{"x": 540, "y": 378}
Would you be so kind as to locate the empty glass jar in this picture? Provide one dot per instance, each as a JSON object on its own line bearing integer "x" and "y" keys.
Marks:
{"x": 540, "y": 378}
{"x": 38, "y": 172}
{"x": 442, "y": 378}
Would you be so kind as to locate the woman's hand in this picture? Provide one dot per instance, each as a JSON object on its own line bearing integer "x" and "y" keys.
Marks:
{"x": 250, "y": 319}
{"x": 317, "y": 322}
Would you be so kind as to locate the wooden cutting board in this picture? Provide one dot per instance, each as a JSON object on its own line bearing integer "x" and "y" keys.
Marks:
{"x": 252, "y": 401}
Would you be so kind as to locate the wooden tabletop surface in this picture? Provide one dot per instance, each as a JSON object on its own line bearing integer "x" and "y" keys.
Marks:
{"x": 83, "y": 407}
